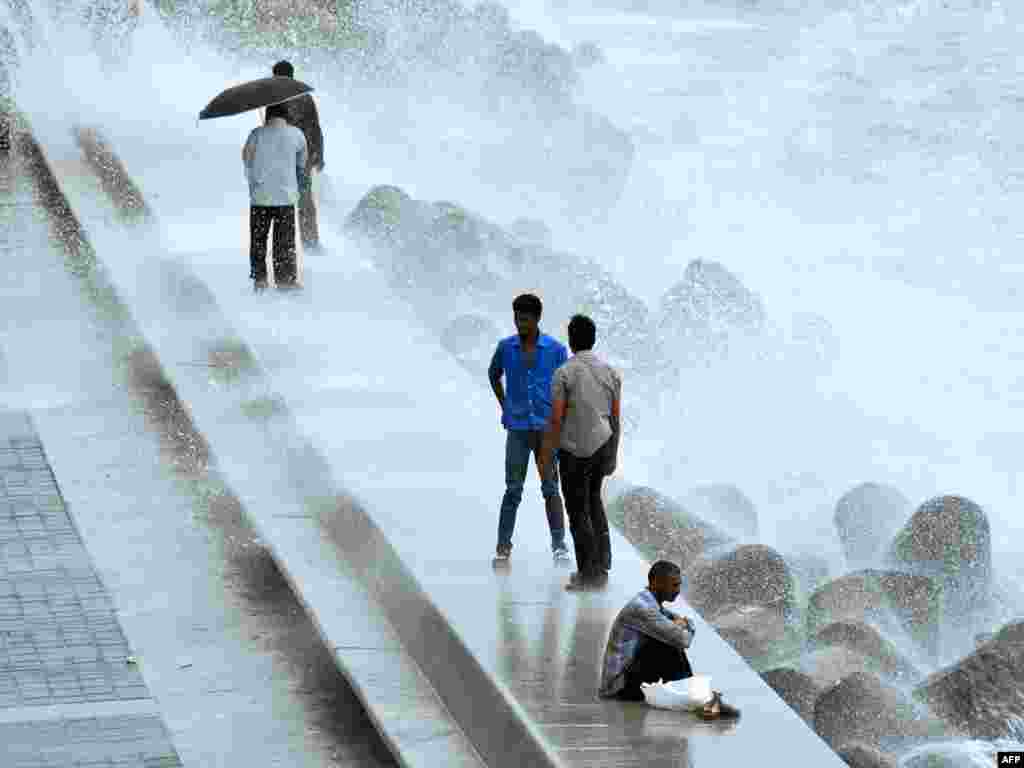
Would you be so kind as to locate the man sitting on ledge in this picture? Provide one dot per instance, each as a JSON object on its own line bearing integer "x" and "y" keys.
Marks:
{"x": 648, "y": 643}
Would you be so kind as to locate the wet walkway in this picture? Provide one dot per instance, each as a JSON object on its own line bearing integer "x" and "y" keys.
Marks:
{"x": 514, "y": 658}
{"x": 223, "y": 647}
{"x": 539, "y": 646}
{"x": 69, "y": 692}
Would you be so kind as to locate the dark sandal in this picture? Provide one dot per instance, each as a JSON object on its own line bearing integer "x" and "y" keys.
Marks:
{"x": 716, "y": 708}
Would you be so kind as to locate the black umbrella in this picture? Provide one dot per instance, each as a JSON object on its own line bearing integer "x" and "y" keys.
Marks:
{"x": 254, "y": 95}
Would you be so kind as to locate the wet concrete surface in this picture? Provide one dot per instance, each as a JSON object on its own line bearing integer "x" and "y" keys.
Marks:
{"x": 68, "y": 689}
{"x": 443, "y": 526}
{"x": 543, "y": 644}
{"x": 199, "y": 352}
{"x": 219, "y": 633}
{"x": 238, "y": 670}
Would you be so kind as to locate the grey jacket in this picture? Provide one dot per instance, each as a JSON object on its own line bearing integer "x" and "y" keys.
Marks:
{"x": 275, "y": 163}
{"x": 642, "y": 617}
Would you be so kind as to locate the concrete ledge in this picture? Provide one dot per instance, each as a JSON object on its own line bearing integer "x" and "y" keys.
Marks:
{"x": 546, "y": 671}
{"x": 479, "y": 706}
{"x": 133, "y": 708}
{"x": 388, "y": 682}
{"x": 118, "y": 186}
{"x": 483, "y": 708}
{"x": 129, "y": 740}
{"x": 17, "y": 426}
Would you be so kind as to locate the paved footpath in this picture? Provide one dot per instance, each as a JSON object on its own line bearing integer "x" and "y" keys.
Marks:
{"x": 68, "y": 694}
{"x": 222, "y": 643}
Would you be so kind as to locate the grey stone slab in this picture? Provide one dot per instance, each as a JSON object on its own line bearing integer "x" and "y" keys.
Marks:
{"x": 514, "y": 652}
{"x": 446, "y": 544}
{"x": 16, "y": 431}
{"x": 129, "y": 740}
{"x": 462, "y": 590}
{"x": 299, "y": 545}
{"x": 303, "y": 718}
{"x": 10, "y": 458}
{"x": 49, "y": 655}
{"x": 226, "y": 689}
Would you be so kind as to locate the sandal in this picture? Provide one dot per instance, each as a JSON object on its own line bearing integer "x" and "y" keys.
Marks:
{"x": 716, "y": 708}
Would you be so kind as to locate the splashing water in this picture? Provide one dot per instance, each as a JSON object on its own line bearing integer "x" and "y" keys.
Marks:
{"x": 843, "y": 164}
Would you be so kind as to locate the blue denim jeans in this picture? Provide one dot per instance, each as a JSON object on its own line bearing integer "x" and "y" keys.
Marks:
{"x": 519, "y": 444}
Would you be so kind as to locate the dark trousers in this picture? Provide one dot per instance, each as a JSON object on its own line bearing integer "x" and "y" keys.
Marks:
{"x": 283, "y": 219}
{"x": 654, "y": 661}
{"x": 308, "y": 229}
{"x": 588, "y": 523}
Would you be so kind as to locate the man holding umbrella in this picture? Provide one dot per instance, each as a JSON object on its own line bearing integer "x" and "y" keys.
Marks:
{"x": 275, "y": 167}
{"x": 276, "y": 161}
{"x": 302, "y": 113}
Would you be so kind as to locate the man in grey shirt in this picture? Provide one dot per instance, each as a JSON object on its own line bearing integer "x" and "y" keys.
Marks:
{"x": 584, "y": 426}
{"x": 275, "y": 167}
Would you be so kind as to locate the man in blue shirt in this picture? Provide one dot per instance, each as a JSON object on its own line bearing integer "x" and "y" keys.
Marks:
{"x": 527, "y": 361}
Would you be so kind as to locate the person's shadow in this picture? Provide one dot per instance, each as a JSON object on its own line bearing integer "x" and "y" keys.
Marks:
{"x": 533, "y": 674}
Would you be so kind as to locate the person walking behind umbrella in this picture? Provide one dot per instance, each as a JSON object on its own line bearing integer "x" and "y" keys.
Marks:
{"x": 302, "y": 113}
{"x": 585, "y": 413}
{"x": 527, "y": 361}
{"x": 275, "y": 159}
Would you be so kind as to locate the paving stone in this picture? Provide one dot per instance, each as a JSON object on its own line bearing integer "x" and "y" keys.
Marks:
{"x": 133, "y": 742}
{"x": 60, "y": 641}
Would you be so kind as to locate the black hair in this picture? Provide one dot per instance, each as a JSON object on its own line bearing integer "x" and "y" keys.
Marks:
{"x": 661, "y": 569}
{"x": 284, "y": 69}
{"x": 528, "y": 304}
{"x": 582, "y": 333}
{"x": 278, "y": 110}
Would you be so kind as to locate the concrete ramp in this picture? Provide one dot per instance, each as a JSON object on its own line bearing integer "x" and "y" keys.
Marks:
{"x": 395, "y": 693}
{"x": 347, "y": 391}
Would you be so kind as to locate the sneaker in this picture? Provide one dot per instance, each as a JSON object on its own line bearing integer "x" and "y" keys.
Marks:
{"x": 561, "y": 554}
{"x": 502, "y": 554}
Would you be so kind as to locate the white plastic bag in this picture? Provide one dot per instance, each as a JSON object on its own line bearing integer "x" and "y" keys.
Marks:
{"x": 683, "y": 695}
